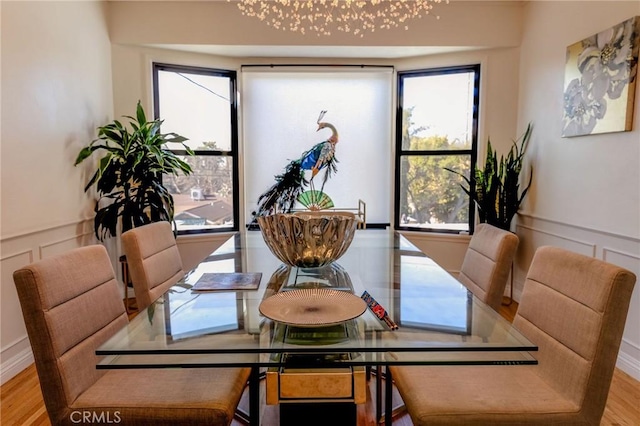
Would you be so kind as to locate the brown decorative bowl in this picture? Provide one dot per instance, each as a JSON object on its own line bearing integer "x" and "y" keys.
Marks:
{"x": 308, "y": 239}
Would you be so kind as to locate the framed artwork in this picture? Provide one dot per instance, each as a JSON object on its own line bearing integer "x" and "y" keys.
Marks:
{"x": 600, "y": 81}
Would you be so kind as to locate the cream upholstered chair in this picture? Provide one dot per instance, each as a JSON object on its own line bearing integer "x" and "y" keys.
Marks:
{"x": 72, "y": 304}
{"x": 487, "y": 263}
{"x": 574, "y": 308}
{"x": 153, "y": 260}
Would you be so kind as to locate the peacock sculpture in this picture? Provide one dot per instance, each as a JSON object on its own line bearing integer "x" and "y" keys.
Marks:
{"x": 290, "y": 185}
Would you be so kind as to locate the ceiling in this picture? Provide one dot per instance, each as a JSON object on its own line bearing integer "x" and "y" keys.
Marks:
{"x": 376, "y": 52}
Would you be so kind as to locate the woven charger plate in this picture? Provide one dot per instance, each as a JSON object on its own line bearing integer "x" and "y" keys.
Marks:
{"x": 312, "y": 307}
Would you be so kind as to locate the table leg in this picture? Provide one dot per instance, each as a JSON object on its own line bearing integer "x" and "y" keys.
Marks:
{"x": 378, "y": 393}
{"x": 378, "y": 383}
{"x": 254, "y": 397}
{"x": 388, "y": 397}
{"x": 125, "y": 280}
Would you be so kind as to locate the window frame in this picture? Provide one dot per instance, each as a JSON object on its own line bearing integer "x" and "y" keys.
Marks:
{"x": 400, "y": 152}
{"x": 233, "y": 152}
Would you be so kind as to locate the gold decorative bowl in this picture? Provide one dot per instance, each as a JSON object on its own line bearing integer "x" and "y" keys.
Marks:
{"x": 308, "y": 239}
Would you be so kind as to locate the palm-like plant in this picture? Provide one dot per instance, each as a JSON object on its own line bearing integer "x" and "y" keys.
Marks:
{"x": 129, "y": 176}
{"x": 496, "y": 188}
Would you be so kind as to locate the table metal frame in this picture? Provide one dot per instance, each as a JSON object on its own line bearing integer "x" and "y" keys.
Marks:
{"x": 140, "y": 345}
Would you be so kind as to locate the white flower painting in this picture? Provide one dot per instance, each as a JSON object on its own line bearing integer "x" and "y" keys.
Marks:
{"x": 600, "y": 80}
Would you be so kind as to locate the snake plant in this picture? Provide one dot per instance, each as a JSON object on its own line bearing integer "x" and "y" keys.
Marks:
{"x": 496, "y": 188}
{"x": 129, "y": 176}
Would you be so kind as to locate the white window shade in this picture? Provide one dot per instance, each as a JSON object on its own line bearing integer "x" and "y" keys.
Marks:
{"x": 279, "y": 114}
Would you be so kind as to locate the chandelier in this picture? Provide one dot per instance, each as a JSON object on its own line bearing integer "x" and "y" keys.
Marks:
{"x": 350, "y": 16}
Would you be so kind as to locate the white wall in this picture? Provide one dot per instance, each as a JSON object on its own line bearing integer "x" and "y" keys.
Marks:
{"x": 586, "y": 190}
{"x": 58, "y": 68}
{"x": 56, "y": 89}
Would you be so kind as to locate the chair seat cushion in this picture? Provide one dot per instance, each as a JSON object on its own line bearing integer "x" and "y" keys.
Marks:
{"x": 482, "y": 395}
{"x": 166, "y": 396}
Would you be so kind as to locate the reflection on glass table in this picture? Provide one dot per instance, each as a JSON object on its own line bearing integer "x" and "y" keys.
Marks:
{"x": 214, "y": 313}
{"x": 449, "y": 305}
{"x": 440, "y": 322}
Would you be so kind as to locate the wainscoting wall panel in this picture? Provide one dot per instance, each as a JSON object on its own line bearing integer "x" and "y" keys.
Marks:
{"x": 66, "y": 244}
{"x": 16, "y": 352}
{"x": 531, "y": 238}
{"x": 534, "y": 232}
{"x": 629, "y": 357}
{"x": 622, "y": 250}
{"x": 18, "y": 251}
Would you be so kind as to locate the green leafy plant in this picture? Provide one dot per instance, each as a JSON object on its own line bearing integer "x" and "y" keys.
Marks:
{"x": 496, "y": 188}
{"x": 129, "y": 175}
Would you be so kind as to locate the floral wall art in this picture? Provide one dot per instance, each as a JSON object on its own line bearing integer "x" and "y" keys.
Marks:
{"x": 600, "y": 81}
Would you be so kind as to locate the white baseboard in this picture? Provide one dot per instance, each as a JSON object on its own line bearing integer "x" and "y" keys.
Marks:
{"x": 14, "y": 365}
{"x": 627, "y": 363}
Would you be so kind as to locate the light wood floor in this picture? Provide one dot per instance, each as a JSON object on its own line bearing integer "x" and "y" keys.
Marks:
{"x": 21, "y": 400}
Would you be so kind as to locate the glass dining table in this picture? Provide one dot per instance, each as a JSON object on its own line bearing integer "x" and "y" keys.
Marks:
{"x": 432, "y": 319}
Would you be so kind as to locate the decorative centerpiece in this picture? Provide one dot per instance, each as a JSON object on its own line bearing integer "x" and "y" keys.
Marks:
{"x": 308, "y": 239}
{"x": 313, "y": 307}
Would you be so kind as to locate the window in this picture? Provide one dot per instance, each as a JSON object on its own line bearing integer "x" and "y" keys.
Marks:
{"x": 200, "y": 104}
{"x": 436, "y": 130}
{"x": 281, "y": 105}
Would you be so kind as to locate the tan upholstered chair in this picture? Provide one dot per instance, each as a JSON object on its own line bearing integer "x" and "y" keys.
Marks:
{"x": 574, "y": 308}
{"x": 71, "y": 304}
{"x": 153, "y": 260}
{"x": 487, "y": 263}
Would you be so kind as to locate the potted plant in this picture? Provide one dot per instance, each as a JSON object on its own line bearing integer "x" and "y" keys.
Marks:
{"x": 496, "y": 188}
{"x": 129, "y": 176}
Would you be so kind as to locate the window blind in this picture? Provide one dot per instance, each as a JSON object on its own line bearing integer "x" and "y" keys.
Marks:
{"x": 280, "y": 107}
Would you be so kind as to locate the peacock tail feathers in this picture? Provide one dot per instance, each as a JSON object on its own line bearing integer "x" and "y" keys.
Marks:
{"x": 282, "y": 195}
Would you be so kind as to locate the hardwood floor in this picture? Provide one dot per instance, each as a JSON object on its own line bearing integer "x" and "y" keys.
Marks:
{"x": 21, "y": 400}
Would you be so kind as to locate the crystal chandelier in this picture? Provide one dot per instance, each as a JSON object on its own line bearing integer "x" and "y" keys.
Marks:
{"x": 320, "y": 17}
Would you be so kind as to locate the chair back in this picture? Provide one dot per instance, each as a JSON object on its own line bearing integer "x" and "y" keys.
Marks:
{"x": 487, "y": 263}
{"x": 153, "y": 260}
{"x": 71, "y": 304}
{"x": 574, "y": 308}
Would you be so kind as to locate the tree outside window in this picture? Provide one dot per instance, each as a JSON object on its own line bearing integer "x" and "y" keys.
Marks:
{"x": 437, "y": 130}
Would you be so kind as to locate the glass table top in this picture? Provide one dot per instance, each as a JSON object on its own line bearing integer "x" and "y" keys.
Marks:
{"x": 438, "y": 320}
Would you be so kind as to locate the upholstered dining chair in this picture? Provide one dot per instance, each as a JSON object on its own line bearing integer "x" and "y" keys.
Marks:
{"x": 72, "y": 304}
{"x": 573, "y": 308}
{"x": 487, "y": 263}
{"x": 153, "y": 260}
